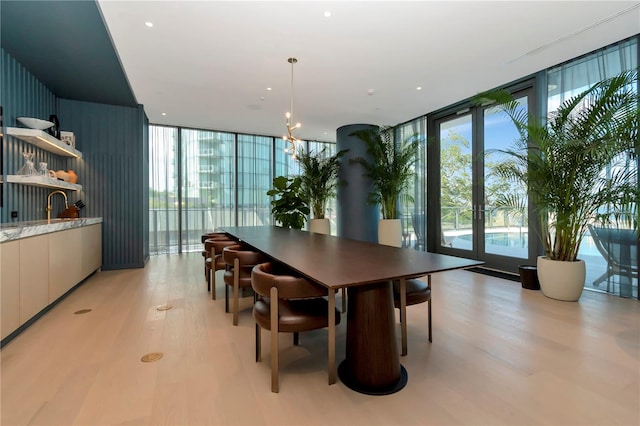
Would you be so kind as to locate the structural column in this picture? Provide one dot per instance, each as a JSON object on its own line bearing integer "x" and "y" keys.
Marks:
{"x": 356, "y": 219}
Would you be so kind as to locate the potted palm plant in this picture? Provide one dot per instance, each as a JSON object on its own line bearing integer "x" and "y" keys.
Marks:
{"x": 390, "y": 169}
{"x": 319, "y": 179}
{"x": 574, "y": 169}
{"x": 290, "y": 208}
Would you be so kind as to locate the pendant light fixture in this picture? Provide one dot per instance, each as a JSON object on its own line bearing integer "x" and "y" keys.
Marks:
{"x": 291, "y": 140}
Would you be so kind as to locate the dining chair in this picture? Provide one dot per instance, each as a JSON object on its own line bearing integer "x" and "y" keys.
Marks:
{"x": 288, "y": 304}
{"x": 416, "y": 291}
{"x": 619, "y": 247}
{"x": 214, "y": 261}
{"x": 239, "y": 261}
{"x": 210, "y": 236}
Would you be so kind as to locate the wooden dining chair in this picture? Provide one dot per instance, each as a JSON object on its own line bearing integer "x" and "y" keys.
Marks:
{"x": 416, "y": 291}
{"x": 288, "y": 304}
{"x": 211, "y": 236}
{"x": 239, "y": 261}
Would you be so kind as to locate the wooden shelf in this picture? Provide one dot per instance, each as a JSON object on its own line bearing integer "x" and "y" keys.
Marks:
{"x": 43, "y": 181}
{"x": 44, "y": 140}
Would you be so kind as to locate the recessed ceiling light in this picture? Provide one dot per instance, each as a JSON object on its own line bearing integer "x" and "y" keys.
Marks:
{"x": 419, "y": 88}
{"x": 164, "y": 113}
{"x": 149, "y": 24}
{"x": 370, "y": 92}
{"x": 269, "y": 89}
{"x": 327, "y": 13}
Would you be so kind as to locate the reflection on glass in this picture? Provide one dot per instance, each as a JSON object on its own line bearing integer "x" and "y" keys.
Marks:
{"x": 505, "y": 202}
{"x": 456, "y": 213}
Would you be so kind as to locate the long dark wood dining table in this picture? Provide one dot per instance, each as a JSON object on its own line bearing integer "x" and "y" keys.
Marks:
{"x": 372, "y": 363}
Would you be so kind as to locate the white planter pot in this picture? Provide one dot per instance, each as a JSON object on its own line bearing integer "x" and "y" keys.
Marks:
{"x": 390, "y": 232}
{"x": 561, "y": 280}
{"x": 320, "y": 226}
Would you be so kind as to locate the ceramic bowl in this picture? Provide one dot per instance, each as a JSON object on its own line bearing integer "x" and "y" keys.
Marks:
{"x": 35, "y": 123}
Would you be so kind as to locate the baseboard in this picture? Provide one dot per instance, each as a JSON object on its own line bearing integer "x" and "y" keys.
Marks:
{"x": 495, "y": 273}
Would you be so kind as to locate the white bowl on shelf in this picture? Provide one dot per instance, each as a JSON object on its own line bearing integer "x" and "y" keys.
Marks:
{"x": 35, "y": 123}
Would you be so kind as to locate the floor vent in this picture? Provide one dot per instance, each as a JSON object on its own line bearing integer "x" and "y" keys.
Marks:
{"x": 153, "y": 356}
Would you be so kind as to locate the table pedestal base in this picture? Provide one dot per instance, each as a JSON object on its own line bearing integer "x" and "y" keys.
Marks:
{"x": 372, "y": 364}
{"x": 345, "y": 377}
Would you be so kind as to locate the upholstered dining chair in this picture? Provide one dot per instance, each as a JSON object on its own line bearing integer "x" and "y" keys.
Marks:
{"x": 239, "y": 261}
{"x": 214, "y": 261}
{"x": 211, "y": 236}
{"x": 416, "y": 291}
{"x": 287, "y": 304}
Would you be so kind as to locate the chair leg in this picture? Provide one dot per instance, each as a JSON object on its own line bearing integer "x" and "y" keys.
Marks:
{"x": 331, "y": 364}
{"x": 258, "y": 344}
{"x": 208, "y": 276}
{"x": 213, "y": 284}
{"x": 429, "y": 306}
{"x": 403, "y": 314}
{"x": 344, "y": 300}
{"x": 226, "y": 298}
{"x": 275, "y": 387}
{"x": 236, "y": 285}
{"x": 296, "y": 338}
{"x": 213, "y": 272}
{"x": 429, "y": 314}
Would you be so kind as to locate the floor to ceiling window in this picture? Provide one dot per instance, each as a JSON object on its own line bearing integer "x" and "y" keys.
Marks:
{"x": 207, "y": 184}
{"x": 254, "y": 180}
{"x": 413, "y": 206}
{"x": 201, "y": 180}
{"x": 163, "y": 189}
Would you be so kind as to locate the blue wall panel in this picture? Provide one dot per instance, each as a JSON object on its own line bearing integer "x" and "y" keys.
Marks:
{"x": 22, "y": 95}
{"x": 113, "y": 170}
{"x": 114, "y": 175}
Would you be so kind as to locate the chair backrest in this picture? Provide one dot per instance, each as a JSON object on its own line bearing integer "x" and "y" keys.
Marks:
{"x": 215, "y": 236}
{"x": 246, "y": 258}
{"x": 289, "y": 286}
{"x": 218, "y": 244}
{"x": 618, "y": 246}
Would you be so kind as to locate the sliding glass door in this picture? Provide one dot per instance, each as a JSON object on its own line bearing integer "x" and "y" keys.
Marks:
{"x": 482, "y": 215}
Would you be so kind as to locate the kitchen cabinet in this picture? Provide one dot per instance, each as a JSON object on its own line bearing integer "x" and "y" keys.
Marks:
{"x": 65, "y": 257}
{"x": 37, "y": 270}
{"x": 91, "y": 249}
{"x": 34, "y": 276}
{"x": 9, "y": 287}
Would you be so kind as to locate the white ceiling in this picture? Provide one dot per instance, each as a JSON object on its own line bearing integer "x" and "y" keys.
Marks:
{"x": 208, "y": 64}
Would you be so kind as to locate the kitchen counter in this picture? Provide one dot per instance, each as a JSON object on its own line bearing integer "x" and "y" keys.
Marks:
{"x": 18, "y": 230}
{"x": 42, "y": 262}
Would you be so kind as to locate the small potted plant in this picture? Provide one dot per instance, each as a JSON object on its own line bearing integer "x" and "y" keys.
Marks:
{"x": 290, "y": 208}
{"x": 390, "y": 169}
{"x": 576, "y": 170}
{"x": 319, "y": 182}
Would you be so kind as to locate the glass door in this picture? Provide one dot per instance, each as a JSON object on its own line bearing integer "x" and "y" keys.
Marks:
{"x": 482, "y": 215}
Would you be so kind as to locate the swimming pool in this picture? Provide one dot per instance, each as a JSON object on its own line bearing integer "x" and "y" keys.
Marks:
{"x": 496, "y": 242}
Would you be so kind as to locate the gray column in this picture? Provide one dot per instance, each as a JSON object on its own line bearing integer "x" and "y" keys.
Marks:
{"x": 355, "y": 218}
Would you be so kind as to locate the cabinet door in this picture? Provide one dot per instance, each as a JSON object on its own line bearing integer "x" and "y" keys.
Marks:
{"x": 91, "y": 249}
{"x": 34, "y": 276}
{"x": 65, "y": 260}
{"x": 9, "y": 287}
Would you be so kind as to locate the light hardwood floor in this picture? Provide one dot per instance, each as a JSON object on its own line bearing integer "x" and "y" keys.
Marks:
{"x": 500, "y": 356}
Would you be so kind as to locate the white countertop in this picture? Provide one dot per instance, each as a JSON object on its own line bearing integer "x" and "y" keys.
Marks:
{"x": 18, "y": 230}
